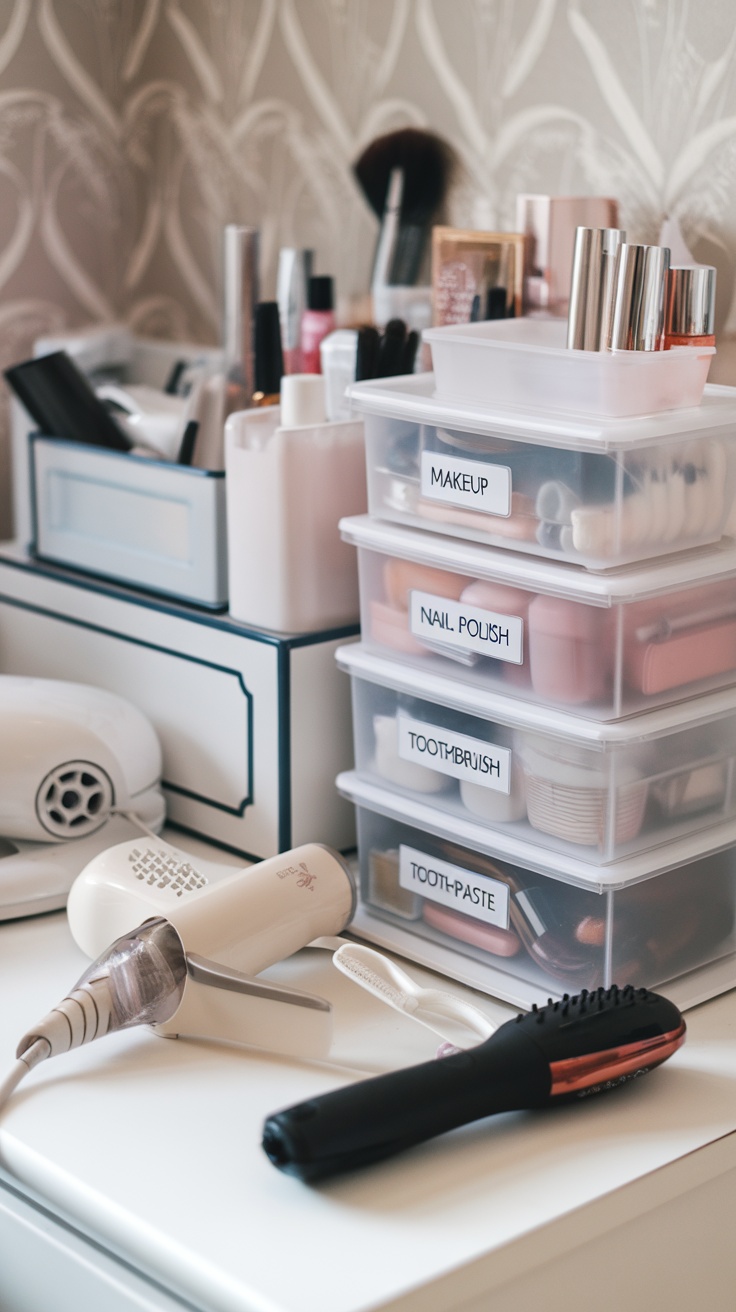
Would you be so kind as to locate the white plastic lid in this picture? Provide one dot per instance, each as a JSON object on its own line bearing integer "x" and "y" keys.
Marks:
{"x": 303, "y": 401}
{"x": 632, "y": 583}
{"x": 504, "y": 847}
{"x": 469, "y": 699}
{"x": 413, "y": 398}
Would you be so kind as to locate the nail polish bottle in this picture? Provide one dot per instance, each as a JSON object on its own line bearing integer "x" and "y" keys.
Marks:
{"x": 317, "y": 321}
{"x": 690, "y": 307}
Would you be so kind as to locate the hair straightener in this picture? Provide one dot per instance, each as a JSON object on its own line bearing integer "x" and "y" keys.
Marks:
{"x": 571, "y": 1048}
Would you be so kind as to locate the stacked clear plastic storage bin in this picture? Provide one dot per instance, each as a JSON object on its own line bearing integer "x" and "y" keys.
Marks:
{"x": 544, "y": 695}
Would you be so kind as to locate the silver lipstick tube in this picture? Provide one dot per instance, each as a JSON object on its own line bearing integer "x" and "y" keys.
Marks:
{"x": 240, "y": 298}
{"x": 637, "y": 320}
{"x": 591, "y": 287}
{"x": 292, "y": 280}
{"x": 691, "y": 300}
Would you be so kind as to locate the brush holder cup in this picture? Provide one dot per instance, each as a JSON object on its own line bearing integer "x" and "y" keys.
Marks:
{"x": 286, "y": 489}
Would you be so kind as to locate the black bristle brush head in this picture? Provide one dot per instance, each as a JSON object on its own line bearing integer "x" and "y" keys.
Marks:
{"x": 426, "y": 161}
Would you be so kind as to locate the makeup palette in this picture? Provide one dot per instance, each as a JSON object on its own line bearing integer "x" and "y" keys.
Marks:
{"x": 597, "y": 491}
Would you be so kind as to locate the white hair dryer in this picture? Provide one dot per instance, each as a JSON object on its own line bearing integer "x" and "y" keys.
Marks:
{"x": 187, "y": 946}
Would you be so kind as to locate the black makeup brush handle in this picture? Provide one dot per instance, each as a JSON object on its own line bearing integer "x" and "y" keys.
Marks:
{"x": 375, "y": 1118}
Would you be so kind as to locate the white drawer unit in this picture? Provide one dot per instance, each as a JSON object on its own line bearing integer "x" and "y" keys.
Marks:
{"x": 254, "y": 725}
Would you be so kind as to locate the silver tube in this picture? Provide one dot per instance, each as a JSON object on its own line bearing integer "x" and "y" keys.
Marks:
{"x": 292, "y": 280}
{"x": 239, "y": 305}
{"x": 691, "y": 301}
{"x": 591, "y": 287}
{"x": 637, "y": 321}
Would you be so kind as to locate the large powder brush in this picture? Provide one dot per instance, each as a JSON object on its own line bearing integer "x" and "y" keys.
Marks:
{"x": 405, "y": 177}
{"x": 581, "y": 1045}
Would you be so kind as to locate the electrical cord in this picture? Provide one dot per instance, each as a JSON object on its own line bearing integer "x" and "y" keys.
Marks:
{"x": 138, "y": 980}
{"x": 31, "y": 1057}
{"x": 82, "y": 1016}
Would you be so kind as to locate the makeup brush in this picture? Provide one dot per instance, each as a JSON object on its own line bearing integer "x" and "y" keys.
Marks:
{"x": 569, "y": 1049}
{"x": 405, "y": 176}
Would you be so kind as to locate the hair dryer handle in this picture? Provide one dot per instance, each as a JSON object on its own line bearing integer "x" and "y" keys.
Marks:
{"x": 221, "y": 1003}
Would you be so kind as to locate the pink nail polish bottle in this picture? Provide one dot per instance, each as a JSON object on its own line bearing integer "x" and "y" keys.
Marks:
{"x": 317, "y": 321}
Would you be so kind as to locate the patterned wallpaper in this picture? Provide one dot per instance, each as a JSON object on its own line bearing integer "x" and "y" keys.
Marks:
{"x": 131, "y": 131}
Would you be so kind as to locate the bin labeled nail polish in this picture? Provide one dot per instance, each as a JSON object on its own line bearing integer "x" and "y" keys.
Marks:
{"x": 602, "y": 645}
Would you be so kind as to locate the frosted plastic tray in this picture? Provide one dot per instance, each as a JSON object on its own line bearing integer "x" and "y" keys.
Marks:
{"x": 525, "y": 362}
{"x": 604, "y": 645}
{"x": 489, "y": 917}
{"x": 600, "y": 791}
{"x": 600, "y": 493}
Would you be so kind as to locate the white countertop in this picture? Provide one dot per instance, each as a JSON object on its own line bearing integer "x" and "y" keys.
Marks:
{"x": 154, "y": 1146}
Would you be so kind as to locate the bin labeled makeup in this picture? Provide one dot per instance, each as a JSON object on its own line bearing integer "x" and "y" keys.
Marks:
{"x": 502, "y": 924}
{"x": 600, "y": 493}
{"x": 602, "y": 645}
{"x": 600, "y": 791}
{"x": 526, "y": 363}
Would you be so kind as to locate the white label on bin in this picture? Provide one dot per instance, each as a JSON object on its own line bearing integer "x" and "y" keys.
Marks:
{"x": 478, "y": 896}
{"x": 456, "y": 754}
{"x": 469, "y": 483}
{"x": 444, "y": 622}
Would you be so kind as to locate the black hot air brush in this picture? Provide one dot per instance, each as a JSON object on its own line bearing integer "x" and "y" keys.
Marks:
{"x": 568, "y": 1049}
